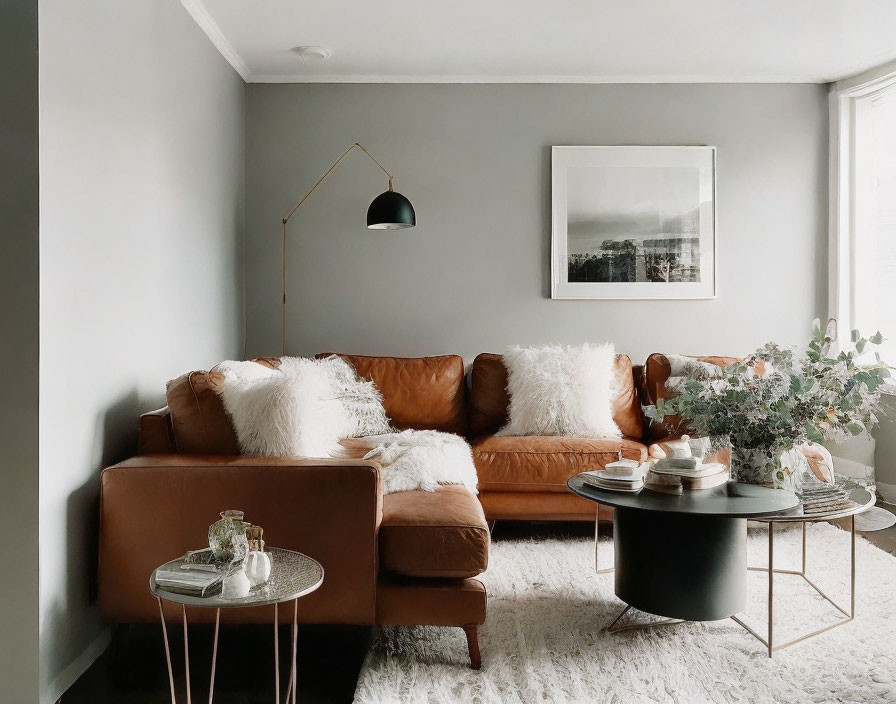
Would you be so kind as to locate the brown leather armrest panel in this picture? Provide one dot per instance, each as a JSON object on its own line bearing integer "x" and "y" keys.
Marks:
{"x": 155, "y": 435}
{"x": 155, "y": 508}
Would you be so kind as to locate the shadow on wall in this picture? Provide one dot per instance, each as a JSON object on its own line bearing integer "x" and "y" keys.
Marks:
{"x": 115, "y": 439}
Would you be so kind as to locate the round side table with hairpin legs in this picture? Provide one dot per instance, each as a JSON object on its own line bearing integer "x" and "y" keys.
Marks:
{"x": 293, "y": 575}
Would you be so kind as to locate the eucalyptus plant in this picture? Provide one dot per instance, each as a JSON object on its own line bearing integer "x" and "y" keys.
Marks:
{"x": 778, "y": 398}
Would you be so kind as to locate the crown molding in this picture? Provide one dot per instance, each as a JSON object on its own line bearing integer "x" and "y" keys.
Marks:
{"x": 203, "y": 18}
{"x": 513, "y": 79}
{"x": 880, "y": 64}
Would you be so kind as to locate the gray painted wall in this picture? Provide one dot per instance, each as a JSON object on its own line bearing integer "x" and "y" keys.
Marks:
{"x": 142, "y": 193}
{"x": 475, "y": 161}
{"x": 19, "y": 351}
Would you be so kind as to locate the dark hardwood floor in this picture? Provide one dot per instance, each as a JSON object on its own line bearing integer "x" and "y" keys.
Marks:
{"x": 132, "y": 670}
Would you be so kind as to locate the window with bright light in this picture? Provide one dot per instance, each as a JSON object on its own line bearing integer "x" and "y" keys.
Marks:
{"x": 862, "y": 275}
{"x": 874, "y": 234}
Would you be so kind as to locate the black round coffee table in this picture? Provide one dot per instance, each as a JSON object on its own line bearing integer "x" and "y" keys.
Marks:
{"x": 685, "y": 556}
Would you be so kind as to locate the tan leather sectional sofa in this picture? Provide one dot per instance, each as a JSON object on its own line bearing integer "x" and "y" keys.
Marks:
{"x": 409, "y": 558}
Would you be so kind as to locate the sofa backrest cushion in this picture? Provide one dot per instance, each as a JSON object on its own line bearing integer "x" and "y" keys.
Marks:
{"x": 199, "y": 423}
{"x": 657, "y": 370}
{"x": 489, "y": 400}
{"x": 419, "y": 393}
{"x": 198, "y": 419}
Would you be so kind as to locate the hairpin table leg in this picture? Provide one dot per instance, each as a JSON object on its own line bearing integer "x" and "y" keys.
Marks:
{"x": 186, "y": 654}
{"x": 294, "y": 676}
{"x": 771, "y": 585}
{"x": 167, "y": 652}
{"x": 852, "y": 567}
{"x": 277, "y": 653}
{"x": 211, "y": 686}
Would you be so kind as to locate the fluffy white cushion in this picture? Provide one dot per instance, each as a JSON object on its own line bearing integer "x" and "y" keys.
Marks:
{"x": 561, "y": 390}
{"x": 361, "y": 401}
{"x": 293, "y": 412}
{"x": 417, "y": 459}
{"x": 300, "y": 409}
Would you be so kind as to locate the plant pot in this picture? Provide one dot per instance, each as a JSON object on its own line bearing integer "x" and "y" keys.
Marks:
{"x": 761, "y": 466}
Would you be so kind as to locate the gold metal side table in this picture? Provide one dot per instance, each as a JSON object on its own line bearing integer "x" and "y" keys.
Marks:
{"x": 861, "y": 500}
{"x": 293, "y": 575}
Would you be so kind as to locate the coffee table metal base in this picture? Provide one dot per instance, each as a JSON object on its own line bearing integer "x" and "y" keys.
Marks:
{"x": 618, "y": 626}
{"x": 848, "y": 616}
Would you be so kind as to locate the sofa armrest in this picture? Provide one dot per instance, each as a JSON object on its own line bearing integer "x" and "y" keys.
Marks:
{"x": 155, "y": 508}
{"x": 155, "y": 434}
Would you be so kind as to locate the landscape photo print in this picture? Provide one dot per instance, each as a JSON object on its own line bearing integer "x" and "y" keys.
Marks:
{"x": 633, "y": 222}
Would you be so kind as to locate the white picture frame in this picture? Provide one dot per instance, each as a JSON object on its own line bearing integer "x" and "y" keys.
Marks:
{"x": 633, "y": 222}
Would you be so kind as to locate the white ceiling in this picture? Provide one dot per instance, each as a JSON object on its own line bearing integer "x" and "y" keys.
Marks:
{"x": 578, "y": 41}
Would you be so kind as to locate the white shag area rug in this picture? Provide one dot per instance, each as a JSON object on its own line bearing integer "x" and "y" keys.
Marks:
{"x": 543, "y": 640}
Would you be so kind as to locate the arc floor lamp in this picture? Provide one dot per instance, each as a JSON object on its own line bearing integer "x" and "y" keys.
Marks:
{"x": 388, "y": 211}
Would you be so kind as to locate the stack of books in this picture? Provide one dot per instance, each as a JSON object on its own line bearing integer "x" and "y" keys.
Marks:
{"x": 674, "y": 475}
{"x": 621, "y": 475}
{"x": 190, "y": 581}
{"x": 825, "y": 498}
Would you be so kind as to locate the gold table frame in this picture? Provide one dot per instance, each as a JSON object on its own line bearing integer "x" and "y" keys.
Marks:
{"x": 789, "y": 517}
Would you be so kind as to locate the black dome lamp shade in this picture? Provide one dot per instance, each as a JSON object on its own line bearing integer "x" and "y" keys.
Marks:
{"x": 390, "y": 211}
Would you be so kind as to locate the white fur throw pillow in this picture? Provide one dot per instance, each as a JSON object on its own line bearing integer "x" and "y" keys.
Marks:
{"x": 361, "y": 401}
{"x": 300, "y": 409}
{"x": 561, "y": 390}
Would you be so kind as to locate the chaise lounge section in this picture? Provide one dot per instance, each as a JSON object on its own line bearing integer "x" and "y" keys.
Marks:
{"x": 402, "y": 559}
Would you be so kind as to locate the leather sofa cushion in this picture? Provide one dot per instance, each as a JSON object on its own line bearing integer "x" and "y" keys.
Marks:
{"x": 489, "y": 399}
{"x": 433, "y": 534}
{"x": 657, "y": 370}
{"x": 419, "y": 393}
{"x": 539, "y": 463}
{"x": 544, "y": 506}
{"x": 198, "y": 420}
{"x": 429, "y": 602}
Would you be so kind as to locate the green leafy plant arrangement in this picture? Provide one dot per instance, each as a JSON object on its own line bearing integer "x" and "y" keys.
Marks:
{"x": 778, "y": 398}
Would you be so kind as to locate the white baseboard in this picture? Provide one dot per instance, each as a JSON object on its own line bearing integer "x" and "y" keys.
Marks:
{"x": 887, "y": 492}
{"x": 78, "y": 667}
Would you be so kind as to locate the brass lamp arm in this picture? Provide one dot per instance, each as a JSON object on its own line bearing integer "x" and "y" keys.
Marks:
{"x": 299, "y": 205}
{"x": 328, "y": 171}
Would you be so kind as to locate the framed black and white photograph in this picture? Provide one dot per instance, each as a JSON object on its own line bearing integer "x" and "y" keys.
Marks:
{"x": 633, "y": 222}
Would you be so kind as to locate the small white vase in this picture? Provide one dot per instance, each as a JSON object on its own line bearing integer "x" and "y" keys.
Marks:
{"x": 258, "y": 567}
{"x": 236, "y": 585}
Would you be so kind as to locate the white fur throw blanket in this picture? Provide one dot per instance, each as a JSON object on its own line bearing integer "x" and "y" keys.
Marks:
{"x": 417, "y": 459}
